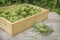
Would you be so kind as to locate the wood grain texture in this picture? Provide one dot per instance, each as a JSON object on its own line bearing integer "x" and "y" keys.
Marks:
{"x": 6, "y": 25}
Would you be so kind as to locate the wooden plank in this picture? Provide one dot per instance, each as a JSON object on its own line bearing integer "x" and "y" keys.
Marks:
{"x": 6, "y": 25}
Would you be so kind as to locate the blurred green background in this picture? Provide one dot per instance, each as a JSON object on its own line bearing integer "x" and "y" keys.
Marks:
{"x": 52, "y": 5}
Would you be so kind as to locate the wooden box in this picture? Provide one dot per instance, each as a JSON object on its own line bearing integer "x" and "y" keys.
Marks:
{"x": 21, "y": 25}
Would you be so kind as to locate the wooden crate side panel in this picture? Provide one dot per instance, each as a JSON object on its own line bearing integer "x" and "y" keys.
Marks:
{"x": 5, "y": 25}
{"x": 43, "y": 16}
{"x": 22, "y": 25}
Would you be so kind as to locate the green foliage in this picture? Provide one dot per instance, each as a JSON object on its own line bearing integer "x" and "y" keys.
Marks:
{"x": 49, "y": 4}
{"x": 58, "y": 3}
{"x": 20, "y": 12}
{"x": 9, "y": 2}
{"x": 56, "y": 10}
{"x": 43, "y": 28}
{"x": 43, "y": 3}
